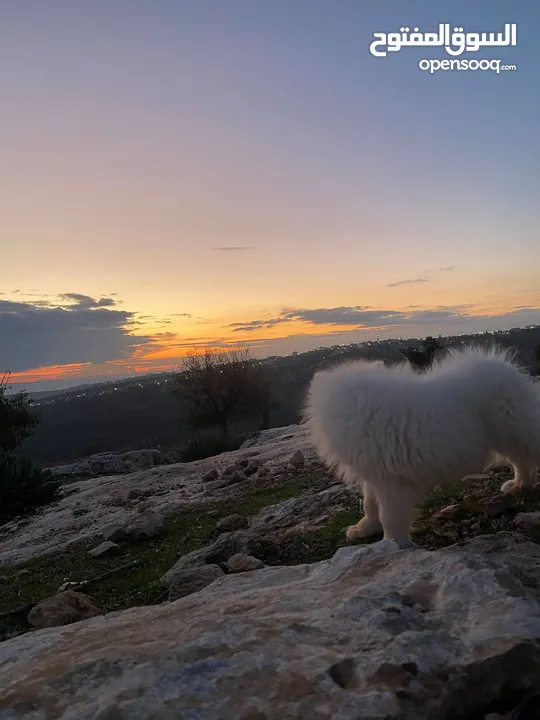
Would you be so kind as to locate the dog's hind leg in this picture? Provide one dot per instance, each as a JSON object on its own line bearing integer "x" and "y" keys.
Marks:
{"x": 397, "y": 504}
{"x": 370, "y": 523}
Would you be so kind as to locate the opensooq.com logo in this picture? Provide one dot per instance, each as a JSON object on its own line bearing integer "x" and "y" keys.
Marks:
{"x": 455, "y": 43}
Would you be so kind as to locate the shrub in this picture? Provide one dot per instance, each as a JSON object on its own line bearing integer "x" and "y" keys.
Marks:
{"x": 23, "y": 487}
{"x": 202, "y": 446}
{"x": 422, "y": 360}
{"x": 17, "y": 420}
{"x": 220, "y": 385}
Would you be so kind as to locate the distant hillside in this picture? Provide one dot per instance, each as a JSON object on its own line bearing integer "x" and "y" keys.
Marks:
{"x": 142, "y": 412}
{"x": 87, "y": 387}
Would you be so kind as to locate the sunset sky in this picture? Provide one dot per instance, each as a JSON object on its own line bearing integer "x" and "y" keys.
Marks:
{"x": 204, "y": 171}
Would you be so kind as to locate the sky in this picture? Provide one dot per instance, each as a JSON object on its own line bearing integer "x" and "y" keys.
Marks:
{"x": 175, "y": 174}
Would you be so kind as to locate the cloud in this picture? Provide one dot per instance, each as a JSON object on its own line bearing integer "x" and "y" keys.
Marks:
{"x": 423, "y": 278}
{"x": 412, "y": 322}
{"x": 365, "y": 318}
{"x": 357, "y": 315}
{"x": 69, "y": 335}
{"x": 198, "y": 320}
{"x": 86, "y": 302}
{"x": 408, "y": 282}
{"x": 257, "y": 324}
{"x": 85, "y": 330}
{"x": 344, "y": 316}
{"x": 232, "y": 248}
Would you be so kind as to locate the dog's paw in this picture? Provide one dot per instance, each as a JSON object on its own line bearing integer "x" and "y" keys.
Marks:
{"x": 353, "y": 533}
{"x": 364, "y": 529}
{"x": 510, "y": 486}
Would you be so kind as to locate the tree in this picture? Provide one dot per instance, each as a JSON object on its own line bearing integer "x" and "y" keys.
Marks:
{"x": 432, "y": 344}
{"x": 17, "y": 421}
{"x": 422, "y": 359}
{"x": 24, "y": 487}
{"x": 257, "y": 397}
{"x": 220, "y": 384}
{"x": 536, "y": 369}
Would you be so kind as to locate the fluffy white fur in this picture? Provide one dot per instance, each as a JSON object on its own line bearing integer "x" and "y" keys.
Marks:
{"x": 394, "y": 434}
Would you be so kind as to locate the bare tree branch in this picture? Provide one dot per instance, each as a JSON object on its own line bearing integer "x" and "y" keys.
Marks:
{"x": 218, "y": 384}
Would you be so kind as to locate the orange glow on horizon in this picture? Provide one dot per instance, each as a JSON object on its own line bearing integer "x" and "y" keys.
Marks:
{"x": 166, "y": 350}
{"x": 52, "y": 372}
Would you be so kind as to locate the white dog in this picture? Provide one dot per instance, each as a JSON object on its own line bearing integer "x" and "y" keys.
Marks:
{"x": 394, "y": 434}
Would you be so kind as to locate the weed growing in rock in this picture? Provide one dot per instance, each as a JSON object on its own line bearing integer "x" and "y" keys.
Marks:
{"x": 23, "y": 487}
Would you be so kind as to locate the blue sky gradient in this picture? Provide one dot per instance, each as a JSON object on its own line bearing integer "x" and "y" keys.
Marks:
{"x": 143, "y": 139}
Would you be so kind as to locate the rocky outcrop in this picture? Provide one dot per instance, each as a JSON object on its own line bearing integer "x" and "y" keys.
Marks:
{"x": 529, "y": 524}
{"x": 371, "y": 633}
{"x": 305, "y": 512}
{"x": 243, "y": 563}
{"x": 112, "y": 463}
{"x": 219, "y": 552}
{"x": 193, "y": 580}
{"x": 105, "y": 549}
{"x": 103, "y": 507}
{"x": 64, "y": 608}
{"x": 297, "y": 459}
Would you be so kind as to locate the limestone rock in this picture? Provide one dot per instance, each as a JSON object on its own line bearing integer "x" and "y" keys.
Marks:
{"x": 233, "y": 475}
{"x": 143, "y": 505}
{"x": 276, "y": 436}
{"x": 226, "y": 545}
{"x": 170, "y": 489}
{"x": 232, "y": 522}
{"x": 115, "y": 463}
{"x": 114, "y": 533}
{"x": 63, "y": 608}
{"x": 210, "y": 476}
{"x": 246, "y": 457}
{"x": 529, "y": 523}
{"x": 252, "y": 467}
{"x": 298, "y": 459}
{"x": 373, "y": 633}
{"x": 475, "y": 477}
{"x": 193, "y": 580}
{"x": 240, "y": 562}
{"x": 67, "y": 585}
{"x": 106, "y": 548}
{"x": 302, "y": 513}
{"x": 145, "y": 527}
{"x": 494, "y": 504}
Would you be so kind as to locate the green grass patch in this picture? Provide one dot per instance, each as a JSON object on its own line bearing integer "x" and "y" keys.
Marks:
{"x": 314, "y": 545}
{"x": 182, "y": 533}
{"x": 195, "y": 528}
{"x": 474, "y": 515}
